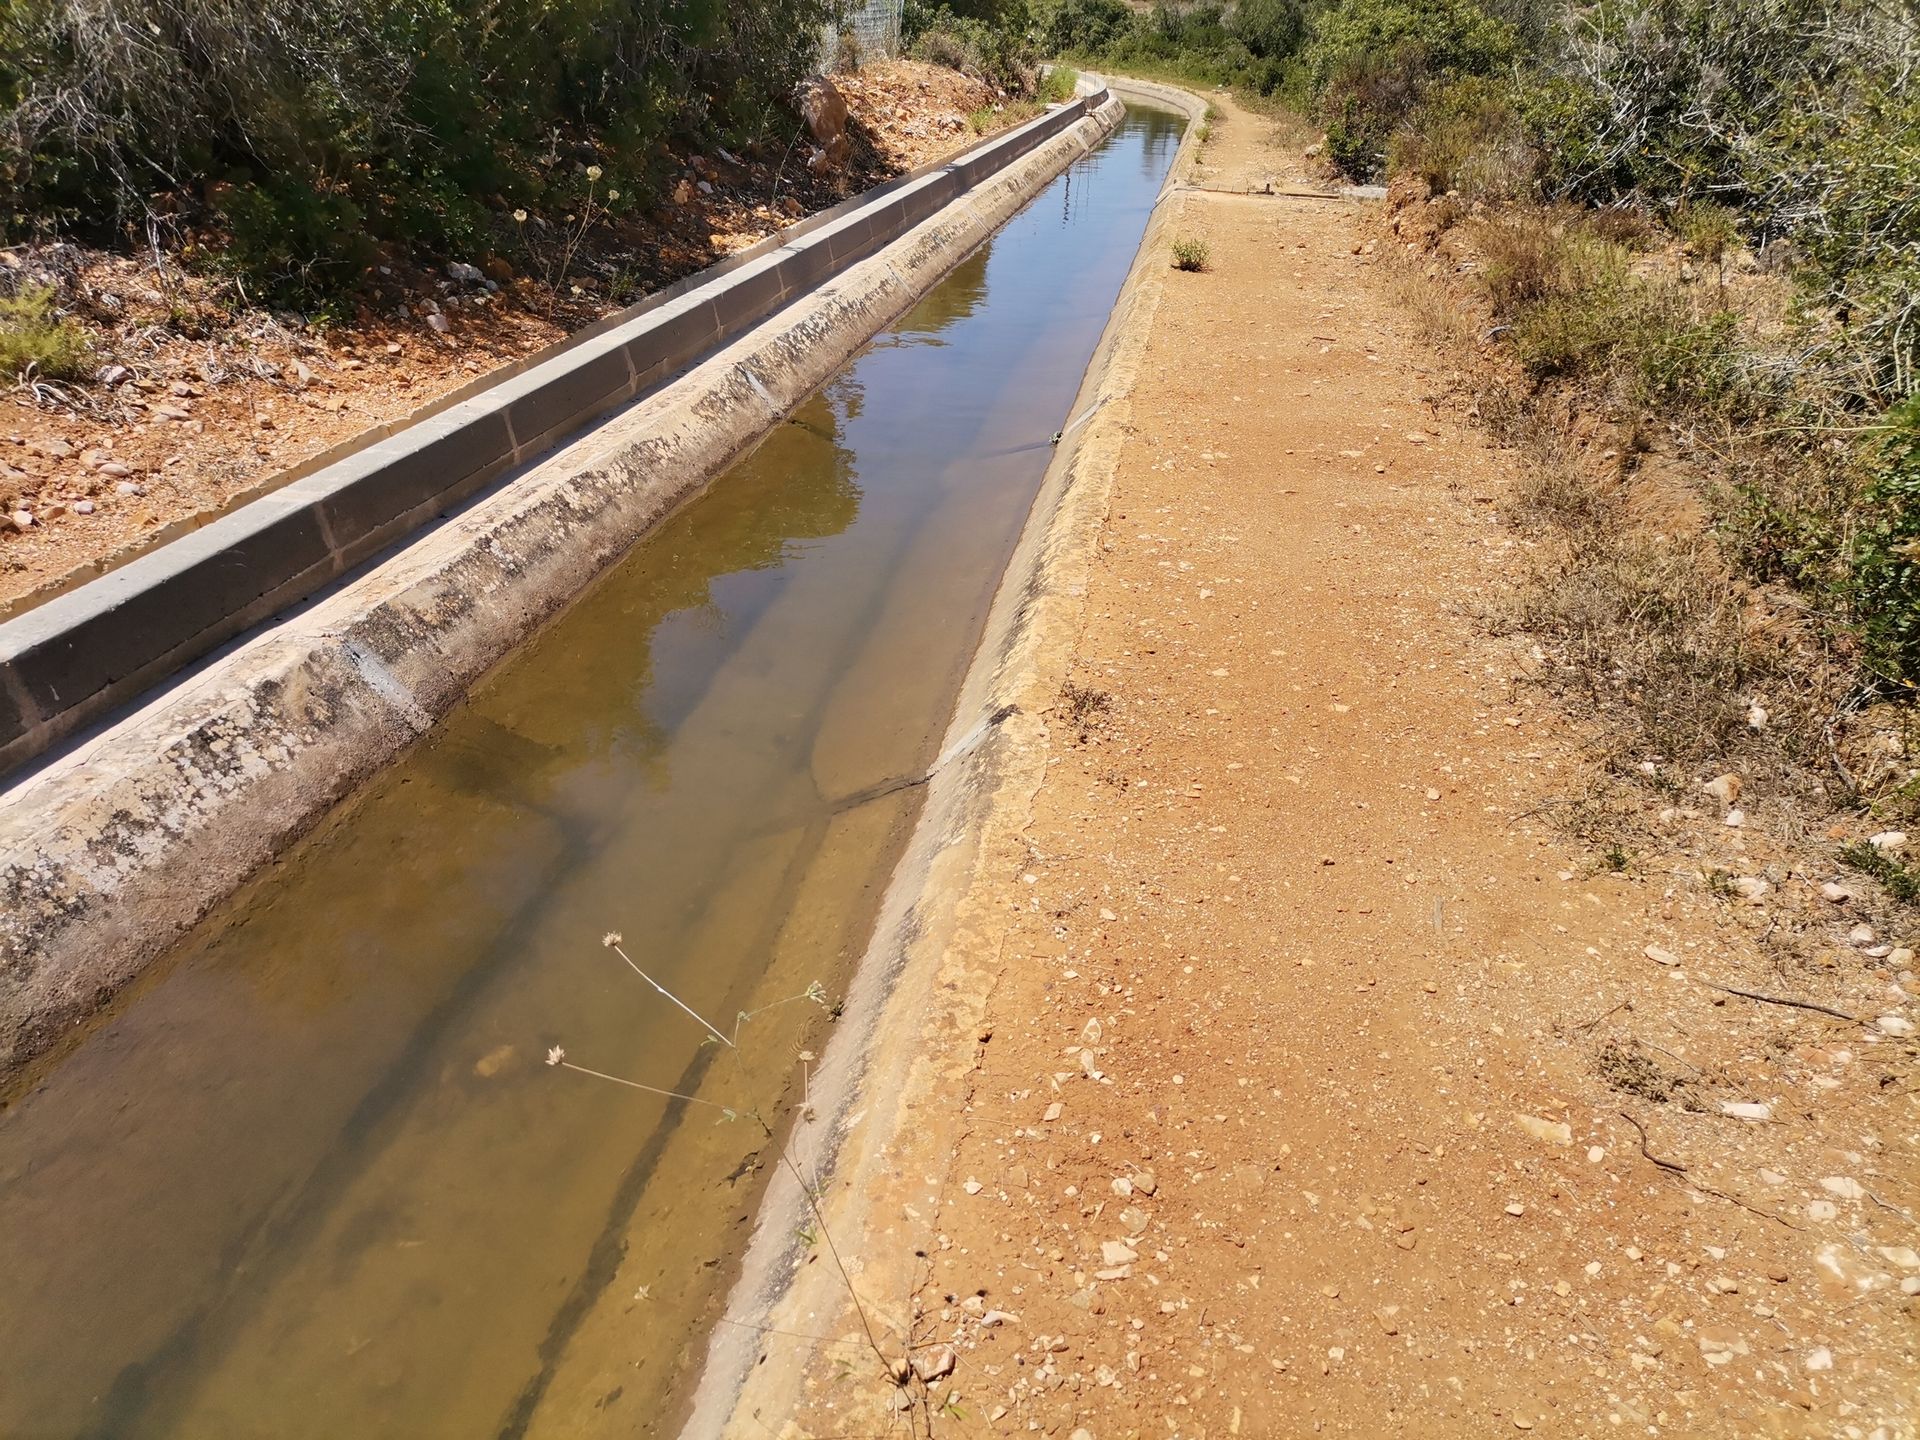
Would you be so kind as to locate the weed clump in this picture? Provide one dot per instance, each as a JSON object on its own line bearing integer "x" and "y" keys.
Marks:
{"x": 1190, "y": 253}
{"x": 1896, "y": 877}
{"x": 1085, "y": 707}
{"x": 1631, "y": 1071}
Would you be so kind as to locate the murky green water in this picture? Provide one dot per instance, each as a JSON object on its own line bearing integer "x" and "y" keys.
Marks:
{"x": 316, "y": 1179}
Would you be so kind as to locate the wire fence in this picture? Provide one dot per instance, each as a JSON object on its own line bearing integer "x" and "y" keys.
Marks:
{"x": 869, "y": 30}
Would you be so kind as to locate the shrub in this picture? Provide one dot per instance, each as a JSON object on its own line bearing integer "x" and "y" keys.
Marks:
{"x": 1084, "y": 27}
{"x": 1467, "y": 136}
{"x": 1203, "y": 44}
{"x": 358, "y": 125}
{"x": 994, "y": 47}
{"x": 1271, "y": 29}
{"x": 1056, "y": 87}
{"x": 1708, "y": 230}
{"x": 1371, "y": 62}
{"x": 1896, "y": 877}
{"x": 1883, "y": 584}
{"x": 36, "y": 341}
{"x": 1534, "y": 255}
{"x": 1190, "y": 253}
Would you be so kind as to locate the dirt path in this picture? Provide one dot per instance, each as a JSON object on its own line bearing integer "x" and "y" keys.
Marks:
{"x": 1298, "y": 1099}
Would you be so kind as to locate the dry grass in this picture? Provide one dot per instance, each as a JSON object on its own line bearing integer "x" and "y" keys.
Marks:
{"x": 1435, "y": 316}
{"x": 1649, "y": 633}
{"x": 1533, "y": 254}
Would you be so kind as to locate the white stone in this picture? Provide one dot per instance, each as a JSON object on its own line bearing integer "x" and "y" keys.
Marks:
{"x": 1889, "y": 842}
{"x": 1552, "y": 1132}
{"x": 1661, "y": 957}
{"x": 1894, "y": 1025}
{"x": 1821, "y": 1359}
{"x": 1746, "y": 1110}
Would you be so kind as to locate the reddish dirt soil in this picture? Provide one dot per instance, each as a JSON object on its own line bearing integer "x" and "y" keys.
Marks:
{"x": 1326, "y": 1084}
{"x": 211, "y": 398}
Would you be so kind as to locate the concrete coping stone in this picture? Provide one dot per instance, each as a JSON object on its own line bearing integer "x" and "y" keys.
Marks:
{"x": 69, "y": 661}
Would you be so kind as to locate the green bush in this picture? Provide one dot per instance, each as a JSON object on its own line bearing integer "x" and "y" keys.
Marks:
{"x": 1883, "y": 585}
{"x": 1083, "y": 27}
{"x": 1468, "y": 136}
{"x": 1370, "y": 63}
{"x": 987, "y": 41}
{"x": 1270, "y": 29}
{"x": 352, "y": 125}
{"x": 301, "y": 244}
{"x": 1202, "y": 44}
{"x": 36, "y": 341}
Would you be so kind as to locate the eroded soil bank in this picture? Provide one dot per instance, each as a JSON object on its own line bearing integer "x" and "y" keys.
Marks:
{"x": 1293, "y": 1068}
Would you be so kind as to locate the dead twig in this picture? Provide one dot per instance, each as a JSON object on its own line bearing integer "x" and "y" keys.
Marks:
{"x": 1623, "y": 1005}
{"x": 1906, "y": 1215}
{"x": 1736, "y": 1200}
{"x": 1782, "y": 1000}
{"x": 1674, "y": 1165}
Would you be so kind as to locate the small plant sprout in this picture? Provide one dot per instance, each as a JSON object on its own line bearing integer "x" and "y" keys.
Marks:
{"x": 1190, "y": 253}
{"x": 612, "y": 941}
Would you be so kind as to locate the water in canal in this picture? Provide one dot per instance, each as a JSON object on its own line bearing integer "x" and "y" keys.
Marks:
{"x": 315, "y": 1178}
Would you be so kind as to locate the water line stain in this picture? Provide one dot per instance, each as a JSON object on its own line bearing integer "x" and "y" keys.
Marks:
{"x": 316, "y": 1179}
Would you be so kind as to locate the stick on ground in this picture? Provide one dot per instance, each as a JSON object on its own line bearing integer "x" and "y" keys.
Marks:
{"x": 1782, "y": 1000}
